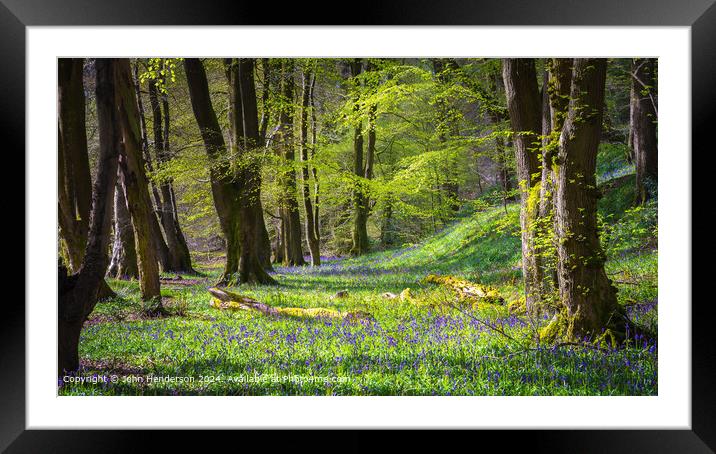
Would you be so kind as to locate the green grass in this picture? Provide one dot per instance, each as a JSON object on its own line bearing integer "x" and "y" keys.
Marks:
{"x": 421, "y": 348}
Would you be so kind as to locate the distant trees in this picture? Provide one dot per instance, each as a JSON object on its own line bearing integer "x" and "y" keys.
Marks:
{"x": 447, "y": 127}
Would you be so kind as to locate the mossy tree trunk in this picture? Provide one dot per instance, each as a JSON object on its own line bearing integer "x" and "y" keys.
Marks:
{"x": 555, "y": 99}
{"x": 79, "y": 292}
{"x": 123, "y": 264}
{"x": 644, "y": 126}
{"x": 586, "y": 292}
{"x": 524, "y": 105}
{"x": 135, "y": 182}
{"x": 311, "y": 238}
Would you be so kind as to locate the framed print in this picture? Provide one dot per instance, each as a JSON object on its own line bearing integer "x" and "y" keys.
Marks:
{"x": 414, "y": 218}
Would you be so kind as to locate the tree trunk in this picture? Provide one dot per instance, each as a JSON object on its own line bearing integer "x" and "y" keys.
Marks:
{"x": 78, "y": 293}
{"x": 244, "y": 131}
{"x": 227, "y": 185}
{"x": 313, "y": 245}
{"x": 179, "y": 258}
{"x": 643, "y": 127}
{"x": 314, "y": 170}
{"x": 135, "y": 182}
{"x": 288, "y": 199}
{"x": 524, "y": 104}
{"x": 123, "y": 264}
{"x": 360, "y": 202}
{"x": 586, "y": 292}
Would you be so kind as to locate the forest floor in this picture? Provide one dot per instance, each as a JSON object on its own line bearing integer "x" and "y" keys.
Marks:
{"x": 416, "y": 346}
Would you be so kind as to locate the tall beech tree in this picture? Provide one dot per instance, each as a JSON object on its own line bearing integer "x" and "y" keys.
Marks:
{"x": 78, "y": 293}
{"x": 644, "y": 125}
{"x": 179, "y": 258}
{"x": 312, "y": 235}
{"x": 525, "y": 108}
{"x": 288, "y": 198}
{"x": 235, "y": 188}
{"x": 586, "y": 293}
{"x": 135, "y": 183}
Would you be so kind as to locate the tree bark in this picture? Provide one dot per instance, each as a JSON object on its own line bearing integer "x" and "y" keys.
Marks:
{"x": 524, "y": 104}
{"x": 135, "y": 182}
{"x": 643, "y": 127}
{"x": 586, "y": 292}
{"x": 288, "y": 199}
{"x": 313, "y": 244}
{"x": 123, "y": 264}
{"x": 78, "y": 293}
{"x": 179, "y": 257}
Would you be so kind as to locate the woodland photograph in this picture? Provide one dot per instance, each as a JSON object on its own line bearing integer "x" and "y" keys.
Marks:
{"x": 357, "y": 226}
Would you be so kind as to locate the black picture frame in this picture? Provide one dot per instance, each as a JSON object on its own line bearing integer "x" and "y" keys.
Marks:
{"x": 700, "y": 15}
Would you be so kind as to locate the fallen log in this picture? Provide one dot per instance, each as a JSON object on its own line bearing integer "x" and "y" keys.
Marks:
{"x": 225, "y": 300}
{"x": 467, "y": 290}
